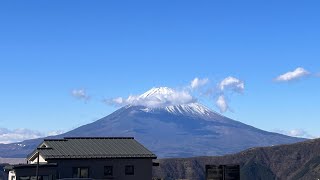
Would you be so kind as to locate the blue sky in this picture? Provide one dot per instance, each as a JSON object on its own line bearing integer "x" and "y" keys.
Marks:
{"x": 119, "y": 48}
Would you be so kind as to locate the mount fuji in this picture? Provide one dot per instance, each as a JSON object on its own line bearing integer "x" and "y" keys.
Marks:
{"x": 170, "y": 126}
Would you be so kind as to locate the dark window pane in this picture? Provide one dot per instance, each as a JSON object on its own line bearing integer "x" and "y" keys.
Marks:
{"x": 129, "y": 170}
{"x": 24, "y": 177}
{"x": 80, "y": 172}
{"x": 75, "y": 172}
{"x": 108, "y": 171}
{"x": 84, "y": 173}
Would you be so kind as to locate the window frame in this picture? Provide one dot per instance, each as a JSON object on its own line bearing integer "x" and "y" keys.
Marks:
{"x": 126, "y": 170}
{"x": 105, "y": 168}
{"x": 79, "y": 172}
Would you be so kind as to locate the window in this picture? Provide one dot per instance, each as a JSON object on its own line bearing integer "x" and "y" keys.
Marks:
{"x": 108, "y": 171}
{"x": 24, "y": 178}
{"x": 45, "y": 177}
{"x": 33, "y": 177}
{"x": 129, "y": 170}
{"x": 80, "y": 172}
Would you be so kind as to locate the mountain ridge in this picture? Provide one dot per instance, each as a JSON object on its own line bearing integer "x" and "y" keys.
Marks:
{"x": 290, "y": 161}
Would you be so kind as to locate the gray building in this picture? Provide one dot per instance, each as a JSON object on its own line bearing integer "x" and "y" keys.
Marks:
{"x": 117, "y": 158}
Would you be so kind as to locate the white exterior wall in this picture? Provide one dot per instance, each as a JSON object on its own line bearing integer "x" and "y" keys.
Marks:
{"x": 12, "y": 175}
{"x": 34, "y": 161}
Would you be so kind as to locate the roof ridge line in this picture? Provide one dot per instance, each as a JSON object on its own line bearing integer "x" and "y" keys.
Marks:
{"x": 54, "y": 139}
{"x": 65, "y": 138}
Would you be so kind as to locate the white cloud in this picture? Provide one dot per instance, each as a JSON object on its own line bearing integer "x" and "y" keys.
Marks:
{"x": 231, "y": 83}
{"x": 156, "y": 97}
{"x": 163, "y": 96}
{"x": 296, "y": 133}
{"x": 16, "y": 135}
{"x": 118, "y": 100}
{"x": 222, "y": 104}
{"x": 21, "y": 134}
{"x": 196, "y": 82}
{"x": 227, "y": 85}
{"x": 292, "y": 75}
{"x": 54, "y": 133}
{"x": 80, "y": 94}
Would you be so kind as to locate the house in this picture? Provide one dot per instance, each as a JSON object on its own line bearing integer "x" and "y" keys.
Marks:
{"x": 116, "y": 158}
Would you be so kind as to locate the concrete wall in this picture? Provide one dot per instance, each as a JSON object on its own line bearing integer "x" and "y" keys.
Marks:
{"x": 142, "y": 168}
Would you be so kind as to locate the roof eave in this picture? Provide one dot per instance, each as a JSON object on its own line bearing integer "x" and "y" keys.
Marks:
{"x": 60, "y": 158}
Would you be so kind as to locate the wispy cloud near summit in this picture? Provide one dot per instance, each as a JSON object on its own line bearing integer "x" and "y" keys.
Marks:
{"x": 155, "y": 97}
{"x": 226, "y": 86}
{"x": 231, "y": 83}
{"x": 197, "y": 82}
{"x": 222, "y": 104}
{"x": 164, "y": 96}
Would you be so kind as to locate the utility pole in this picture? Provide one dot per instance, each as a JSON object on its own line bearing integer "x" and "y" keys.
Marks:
{"x": 37, "y": 169}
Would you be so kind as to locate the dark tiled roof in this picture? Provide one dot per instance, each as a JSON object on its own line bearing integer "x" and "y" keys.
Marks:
{"x": 93, "y": 147}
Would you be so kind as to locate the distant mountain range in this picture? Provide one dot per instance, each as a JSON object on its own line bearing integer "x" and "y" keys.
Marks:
{"x": 283, "y": 162}
{"x": 169, "y": 131}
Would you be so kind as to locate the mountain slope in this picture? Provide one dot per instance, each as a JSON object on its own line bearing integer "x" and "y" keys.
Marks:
{"x": 169, "y": 129}
{"x": 176, "y": 131}
{"x": 294, "y": 161}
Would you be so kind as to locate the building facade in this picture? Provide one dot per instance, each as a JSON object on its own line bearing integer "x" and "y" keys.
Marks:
{"x": 117, "y": 158}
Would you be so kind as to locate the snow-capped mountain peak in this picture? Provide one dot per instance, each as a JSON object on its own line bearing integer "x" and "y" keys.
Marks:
{"x": 172, "y": 101}
{"x": 160, "y": 97}
{"x": 190, "y": 109}
{"x": 160, "y": 91}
